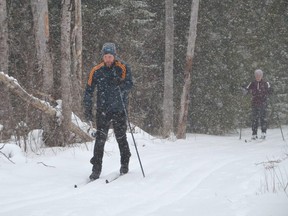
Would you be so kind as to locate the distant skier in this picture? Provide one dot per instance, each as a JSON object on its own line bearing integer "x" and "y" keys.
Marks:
{"x": 112, "y": 77}
{"x": 260, "y": 89}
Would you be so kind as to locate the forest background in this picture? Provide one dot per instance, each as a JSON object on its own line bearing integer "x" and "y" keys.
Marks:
{"x": 233, "y": 39}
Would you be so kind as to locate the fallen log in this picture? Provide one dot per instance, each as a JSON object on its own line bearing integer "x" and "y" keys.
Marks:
{"x": 15, "y": 88}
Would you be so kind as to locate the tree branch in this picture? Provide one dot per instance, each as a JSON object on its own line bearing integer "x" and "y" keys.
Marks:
{"x": 41, "y": 105}
{"x": 46, "y": 165}
{"x": 6, "y": 155}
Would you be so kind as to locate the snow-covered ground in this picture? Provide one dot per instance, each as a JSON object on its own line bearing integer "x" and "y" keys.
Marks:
{"x": 200, "y": 176}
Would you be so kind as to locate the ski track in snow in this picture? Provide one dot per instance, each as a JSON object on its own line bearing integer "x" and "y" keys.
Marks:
{"x": 202, "y": 176}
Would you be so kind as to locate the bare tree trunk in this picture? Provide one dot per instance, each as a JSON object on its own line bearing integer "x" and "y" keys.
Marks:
{"x": 66, "y": 68}
{"x": 5, "y": 105}
{"x": 77, "y": 60}
{"x": 41, "y": 28}
{"x": 41, "y": 31}
{"x": 4, "y": 48}
{"x": 185, "y": 97}
{"x": 168, "y": 106}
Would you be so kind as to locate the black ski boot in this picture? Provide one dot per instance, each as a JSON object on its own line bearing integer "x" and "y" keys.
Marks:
{"x": 254, "y": 137}
{"x": 125, "y": 163}
{"x": 124, "y": 169}
{"x": 263, "y": 136}
{"x": 96, "y": 171}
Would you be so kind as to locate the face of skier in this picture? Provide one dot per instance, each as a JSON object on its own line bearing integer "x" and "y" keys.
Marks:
{"x": 108, "y": 59}
{"x": 258, "y": 77}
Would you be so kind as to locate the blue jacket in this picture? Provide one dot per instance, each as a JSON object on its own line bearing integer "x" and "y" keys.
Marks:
{"x": 110, "y": 82}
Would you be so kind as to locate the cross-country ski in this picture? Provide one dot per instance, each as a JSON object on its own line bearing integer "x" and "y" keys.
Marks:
{"x": 112, "y": 177}
{"x": 254, "y": 140}
{"x": 107, "y": 179}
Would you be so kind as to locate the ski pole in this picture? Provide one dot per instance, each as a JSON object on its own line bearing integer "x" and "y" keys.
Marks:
{"x": 125, "y": 110}
{"x": 240, "y": 134}
{"x": 244, "y": 92}
{"x": 241, "y": 124}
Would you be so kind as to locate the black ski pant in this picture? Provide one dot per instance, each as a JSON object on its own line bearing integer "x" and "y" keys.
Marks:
{"x": 259, "y": 113}
{"x": 103, "y": 121}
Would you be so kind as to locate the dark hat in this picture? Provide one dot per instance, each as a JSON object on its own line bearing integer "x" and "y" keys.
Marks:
{"x": 108, "y": 48}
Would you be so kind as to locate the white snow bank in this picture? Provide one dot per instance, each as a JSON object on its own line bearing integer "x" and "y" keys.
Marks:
{"x": 202, "y": 175}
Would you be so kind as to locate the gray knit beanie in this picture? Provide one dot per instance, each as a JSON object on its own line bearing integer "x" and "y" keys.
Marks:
{"x": 108, "y": 48}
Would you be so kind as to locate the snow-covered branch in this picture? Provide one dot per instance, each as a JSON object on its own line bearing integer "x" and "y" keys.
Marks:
{"x": 13, "y": 85}
{"x": 5, "y": 155}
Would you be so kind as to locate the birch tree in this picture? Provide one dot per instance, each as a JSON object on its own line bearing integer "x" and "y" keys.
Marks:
{"x": 77, "y": 59}
{"x": 185, "y": 97}
{"x": 41, "y": 29}
{"x": 5, "y": 106}
{"x": 66, "y": 68}
{"x": 44, "y": 61}
{"x": 168, "y": 71}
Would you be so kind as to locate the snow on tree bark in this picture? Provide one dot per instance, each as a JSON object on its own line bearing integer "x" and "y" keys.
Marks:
{"x": 185, "y": 97}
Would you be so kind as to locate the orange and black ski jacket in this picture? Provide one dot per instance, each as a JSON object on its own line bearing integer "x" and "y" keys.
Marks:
{"x": 110, "y": 83}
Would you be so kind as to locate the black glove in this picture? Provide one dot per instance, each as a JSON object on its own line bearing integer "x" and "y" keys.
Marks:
{"x": 117, "y": 81}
